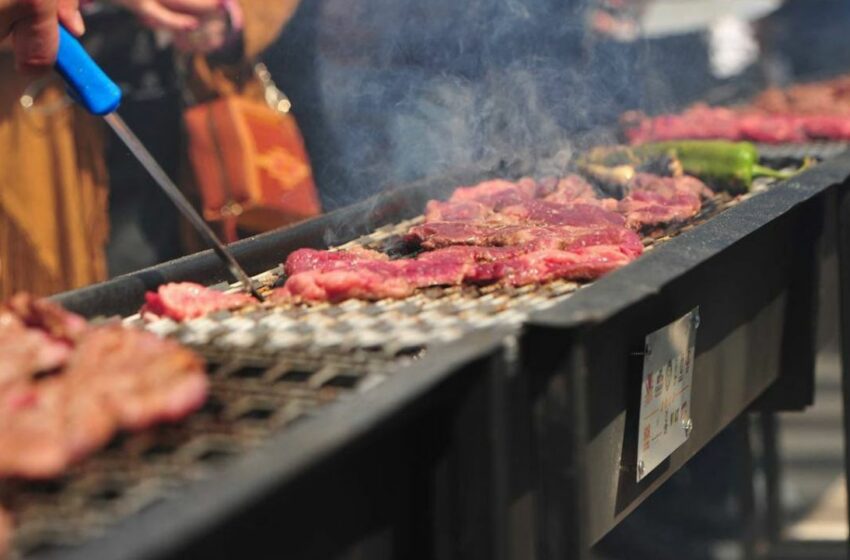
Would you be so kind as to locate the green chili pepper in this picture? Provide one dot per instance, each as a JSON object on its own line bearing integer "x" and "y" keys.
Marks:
{"x": 728, "y": 165}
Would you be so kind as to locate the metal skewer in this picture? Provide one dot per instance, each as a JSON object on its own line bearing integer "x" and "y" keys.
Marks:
{"x": 93, "y": 89}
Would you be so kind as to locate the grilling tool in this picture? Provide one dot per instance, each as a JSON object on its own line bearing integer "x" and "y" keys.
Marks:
{"x": 95, "y": 91}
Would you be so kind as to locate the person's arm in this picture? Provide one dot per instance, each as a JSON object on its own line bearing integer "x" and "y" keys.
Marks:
{"x": 171, "y": 15}
{"x": 33, "y": 27}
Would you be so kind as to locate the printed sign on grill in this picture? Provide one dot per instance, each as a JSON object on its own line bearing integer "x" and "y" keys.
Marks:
{"x": 665, "y": 413}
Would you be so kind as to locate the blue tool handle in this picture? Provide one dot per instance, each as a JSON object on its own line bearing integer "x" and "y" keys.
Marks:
{"x": 89, "y": 84}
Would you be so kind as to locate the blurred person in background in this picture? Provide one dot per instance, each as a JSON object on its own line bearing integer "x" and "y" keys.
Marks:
{"x": 54, "y": 223}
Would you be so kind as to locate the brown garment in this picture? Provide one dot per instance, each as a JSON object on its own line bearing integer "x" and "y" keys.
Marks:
{"x": 53, "y": 181}
{"x": 53, "y": 195}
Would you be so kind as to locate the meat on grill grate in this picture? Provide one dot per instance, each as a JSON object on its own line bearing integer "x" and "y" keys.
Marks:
{"x": 72, "y": 398}
{"x": 186, "y": 300}
{"x": 704, "y": 122}
{"x": 653, "y": 200}
{"x": 827, "y": 97}
{"x": 498, "y": 232}
{"x": 444, "y": 234}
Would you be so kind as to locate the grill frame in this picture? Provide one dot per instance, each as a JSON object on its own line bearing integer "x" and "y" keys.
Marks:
{"x": 529, "y": 406}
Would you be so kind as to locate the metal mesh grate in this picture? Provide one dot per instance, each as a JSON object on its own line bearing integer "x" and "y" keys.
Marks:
{"x": 270, "y": 367}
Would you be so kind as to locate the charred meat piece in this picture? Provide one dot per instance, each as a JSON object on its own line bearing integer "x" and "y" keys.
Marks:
{"x": 572, "y": 189}
{"x": 186, "y": 300}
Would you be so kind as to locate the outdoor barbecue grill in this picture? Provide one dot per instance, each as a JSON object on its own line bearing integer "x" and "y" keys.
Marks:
{"x": 461, "y": 422}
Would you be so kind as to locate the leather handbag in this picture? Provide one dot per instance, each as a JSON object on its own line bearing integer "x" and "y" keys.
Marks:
{"x": 249, "y": 161}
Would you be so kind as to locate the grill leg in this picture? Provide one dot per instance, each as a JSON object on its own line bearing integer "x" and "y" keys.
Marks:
{"x": 844, "y": 293}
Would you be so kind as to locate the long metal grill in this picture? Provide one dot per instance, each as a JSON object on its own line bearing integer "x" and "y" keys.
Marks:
{"x": 269, "y": 368}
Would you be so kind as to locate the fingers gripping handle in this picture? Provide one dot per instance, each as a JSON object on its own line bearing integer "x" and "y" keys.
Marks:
{"x": 88, "y": 83}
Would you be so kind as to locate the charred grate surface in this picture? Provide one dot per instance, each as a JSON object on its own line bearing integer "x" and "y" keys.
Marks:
{"x": 270, "y": 368}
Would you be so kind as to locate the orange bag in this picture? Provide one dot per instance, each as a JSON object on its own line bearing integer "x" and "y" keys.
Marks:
{"x": 249, "y": 161}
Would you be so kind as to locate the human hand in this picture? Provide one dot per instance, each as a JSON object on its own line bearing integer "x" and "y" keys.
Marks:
{"x": 172, "y": 15}
{"x": 33, "y": 26}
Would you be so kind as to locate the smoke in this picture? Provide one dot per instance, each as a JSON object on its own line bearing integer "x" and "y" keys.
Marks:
{"x": 408, "y": 89}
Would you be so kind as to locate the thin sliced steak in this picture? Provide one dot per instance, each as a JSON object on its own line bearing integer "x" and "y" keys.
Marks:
{"x": 303, "y": 260}
{"x": 27, "y": 351}
{"x": 445, "y": 234}
{"x": 543, "y": 212}
{"x": 586, "y": 263}
{"x": 46, "y": 426}
{"x": 140, "y": 378}
{"x": 498, "y": 193}
{"x": 654, "y": 200}
{"x": 186, "y": 300}
{"x": 465, "y": 211}
{"x": 45, "y": 315}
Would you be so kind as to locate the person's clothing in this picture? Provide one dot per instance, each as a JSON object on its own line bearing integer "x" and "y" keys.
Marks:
{"x": 53, "y": 194}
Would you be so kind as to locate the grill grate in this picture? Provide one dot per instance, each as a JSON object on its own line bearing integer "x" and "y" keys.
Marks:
{"x": 269, "y": 368}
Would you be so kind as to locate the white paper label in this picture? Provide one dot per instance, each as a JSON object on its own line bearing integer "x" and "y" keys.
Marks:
{"x": 665, "y": 395}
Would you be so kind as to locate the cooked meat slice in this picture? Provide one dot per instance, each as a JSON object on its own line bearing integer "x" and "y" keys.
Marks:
{"x": 140, "y": 378}
{"x": 27, "y": 351}
{"x": 303, "y": 260}
{"x": 446, "y": 234}
{"x": 341, "y": 284}
{"x": 586, "y": 263}
{"x": 698, "y": 122}
{"x": 46, "y": 426}
{"x": 572, "y": 189}
{"x": 186, "y": 300}
{"x": 654, "y": 200}
{"x": 516, "y": 265}
{"x": 467, "y": 211}
{"x": 543, "y": 212}
{"x": 771, "y": 129}
{"x": 47, "y": 316}
{"x": 498, "y": 193}
{"x": 703, "y": 122}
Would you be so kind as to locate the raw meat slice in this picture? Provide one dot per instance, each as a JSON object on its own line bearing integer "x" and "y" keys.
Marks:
{"x": 186, "y": 300}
